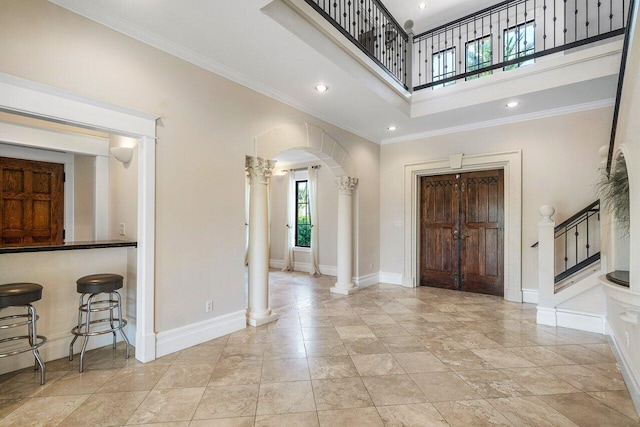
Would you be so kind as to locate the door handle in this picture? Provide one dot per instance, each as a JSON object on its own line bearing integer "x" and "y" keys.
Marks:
{"x": 456, "y": 235}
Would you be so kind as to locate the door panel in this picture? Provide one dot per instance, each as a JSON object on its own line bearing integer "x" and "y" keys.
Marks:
{"x": 439, "y": 217}
{"x": 481, "y": 231}
{"x": 31, "y": 202}
{"x": 461, "y": 229}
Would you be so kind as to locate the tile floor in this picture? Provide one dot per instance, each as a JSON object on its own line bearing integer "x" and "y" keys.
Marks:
{"x": 384, "y": 356}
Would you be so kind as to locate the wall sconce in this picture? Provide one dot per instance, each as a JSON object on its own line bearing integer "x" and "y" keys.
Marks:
{"x": 122, "y": 154}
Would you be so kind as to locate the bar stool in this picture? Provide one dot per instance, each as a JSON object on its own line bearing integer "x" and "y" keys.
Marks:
{"x": 22, "y": 295}
{"x": 91, "y": 287}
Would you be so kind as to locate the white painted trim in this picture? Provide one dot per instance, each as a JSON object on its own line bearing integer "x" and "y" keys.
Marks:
{"x": 582, "y": 321}
{"x": 367, "y": 280}
{"x": 530, "y": 296}
{"x": 511, "y": 163}
{"x": 305, "y": 267}
{"x": 187, "y": 336}
{"x": 123, "y": 26}
{"x": 631, "y": 377}
{"x": 546, "y": 316}
{"x": 504, "y": 121}
{"x": 22, "y": 152}
{"x": 391, "y": 278}
{"x": 34, "y": 99}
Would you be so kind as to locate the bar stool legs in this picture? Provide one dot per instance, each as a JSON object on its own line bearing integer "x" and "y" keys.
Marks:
{"x": 87, "y": 327}
{"x": 33, "y": 342}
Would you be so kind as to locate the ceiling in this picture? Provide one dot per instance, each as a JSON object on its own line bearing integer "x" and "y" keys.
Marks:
{"x": 251, "y": 47}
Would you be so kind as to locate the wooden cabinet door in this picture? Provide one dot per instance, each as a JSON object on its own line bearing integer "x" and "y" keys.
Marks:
{"x": 439, "y": 217}
{"x": 461, "y": 232}
{"x": 31, "y": 202}
{"x": 481, "y": 232}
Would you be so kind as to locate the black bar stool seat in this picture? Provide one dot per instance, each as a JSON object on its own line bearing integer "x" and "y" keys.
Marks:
{"x": 22, "y": 295}
{"x": 90, "y": 287}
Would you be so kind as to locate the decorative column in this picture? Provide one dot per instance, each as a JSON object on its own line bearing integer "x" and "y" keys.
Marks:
{"x": 546, "y": 314}
{"x": 259, "y": 312}
{"x": 346, "y": 185}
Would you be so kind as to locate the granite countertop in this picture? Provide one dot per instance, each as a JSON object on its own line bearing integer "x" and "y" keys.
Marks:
{"x": 70, "y": 246}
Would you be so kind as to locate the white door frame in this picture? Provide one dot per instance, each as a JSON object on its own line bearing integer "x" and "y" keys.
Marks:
{"x": 511, "y": 162}
{"x": 37, "y": 100}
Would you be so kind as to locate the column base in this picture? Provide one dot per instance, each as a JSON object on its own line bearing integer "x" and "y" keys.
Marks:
{"x": 262, "y": 320}
{"x": 344, "y": 289}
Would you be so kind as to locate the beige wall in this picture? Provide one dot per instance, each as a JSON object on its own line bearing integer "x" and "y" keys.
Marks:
{"x": 327, "y": 217}
{"x": 559, "y": 156}
{"x": 123, "y": 192}
{"x": 207, "y": 127}
{"x": 83, "y": 181}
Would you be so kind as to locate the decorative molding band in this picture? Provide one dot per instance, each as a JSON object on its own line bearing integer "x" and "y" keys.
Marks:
{"x": 187, "y": 336}
{"x": 305, "y": 267}
{"x": 127, "y": 28}
{"x": 530, "y": 296}
{"x": 631, "y": 377}
{"x": 504, "y": 121}
{"x": 391, "y": 278}
{"x": 581, "y": 321}
{"x": 367, "y": 280}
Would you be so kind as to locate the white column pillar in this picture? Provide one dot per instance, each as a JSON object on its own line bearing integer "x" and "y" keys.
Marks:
{"x": 346, "y": 185}
{"x": 259, "y": 312}
{"x": 546, "y": 314}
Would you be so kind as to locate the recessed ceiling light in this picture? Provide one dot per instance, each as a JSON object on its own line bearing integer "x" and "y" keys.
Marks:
{"x": 512, "y": 104}
{"x": 422, "y": 6}
{"x": 392, "y": 128}
{"x": 322, "y": 87}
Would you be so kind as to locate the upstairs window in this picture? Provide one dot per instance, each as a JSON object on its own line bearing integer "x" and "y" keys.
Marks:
{"x": 303, "y": 218}
{"x": 517, "y": 42}
{"x": 443, "y": 65}
{"x": 478, "y": 54}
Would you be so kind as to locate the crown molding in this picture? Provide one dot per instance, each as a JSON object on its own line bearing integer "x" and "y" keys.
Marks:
{"x": 504, "y": 121}
{"x": 139, "y": 33}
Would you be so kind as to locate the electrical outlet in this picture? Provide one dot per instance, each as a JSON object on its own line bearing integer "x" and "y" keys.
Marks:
{"x": 122, "y": 229}
{"x": 208, "y": 306}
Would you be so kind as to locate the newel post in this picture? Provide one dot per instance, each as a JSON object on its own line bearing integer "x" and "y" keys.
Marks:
{"x": 546, "y": 314}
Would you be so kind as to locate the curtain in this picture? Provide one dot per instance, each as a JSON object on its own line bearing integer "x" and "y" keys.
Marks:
{"x": 247, "y": 198}
{"x": 291, "y": 223}
{"x": 313, "y": 210}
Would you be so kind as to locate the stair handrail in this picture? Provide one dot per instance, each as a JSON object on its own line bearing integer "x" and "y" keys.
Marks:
{"x": 567, "y": 223}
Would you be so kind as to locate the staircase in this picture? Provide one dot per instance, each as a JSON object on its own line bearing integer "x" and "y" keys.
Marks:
{"x": 569, "y": 264}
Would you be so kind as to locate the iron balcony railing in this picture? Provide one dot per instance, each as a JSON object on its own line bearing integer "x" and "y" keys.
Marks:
{"x": 370, "y": 26}
{"x": 511, "y": 34}
{"x": 577, "y": 242}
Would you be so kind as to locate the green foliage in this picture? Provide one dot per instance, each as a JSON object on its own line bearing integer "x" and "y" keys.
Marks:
{"x": 613, "y": 191}
{"x": 304, "y": 234}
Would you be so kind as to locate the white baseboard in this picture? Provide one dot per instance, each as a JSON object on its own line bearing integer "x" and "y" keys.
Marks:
{"x": 588, "y": 322}
{"x": 187, "y": 336}
{"x": 367, "y": 280}
{"x": 57, "y": 347}
{"x": 530, "y": 296}
{"x": 391, "y": 278}
{"x": 631, "y": 377}
{"x": 305, "y": 267}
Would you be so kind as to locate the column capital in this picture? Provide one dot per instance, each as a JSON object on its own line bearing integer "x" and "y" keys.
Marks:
{"x": 259, "y": 168}
{"x": 346, "y": 184}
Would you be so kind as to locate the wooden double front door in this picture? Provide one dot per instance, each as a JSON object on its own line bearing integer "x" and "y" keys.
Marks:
{"x": 462, "y": 231}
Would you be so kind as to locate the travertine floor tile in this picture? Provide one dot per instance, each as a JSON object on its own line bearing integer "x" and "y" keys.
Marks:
{"x": 465, "y": 413}
{"x": 332, "y": 367}
{"x": 376, "y": 364}
{"x": 44, "y": 411}
{"x": 443, "y": 386}
{"x": 354, "y": 332}
{"x": 288, "y": 420}
{"x": 586, "y": 379}
{"x": 78, "y": 383}
{"x": 283, "y": 398}
{"x": 222, "y": 422}
{"x": 419, "y": 362}
{"x": 227, "y": 402}
{"x": 137, "y": 378}
{"x": 350, "y": 417}
{"x": 236, "y": 371}
{"x": 416, "y": 415}
{"x": 281, "y": 370}
{"x": 539, "y": 381}
{"x": 530, "y": 411}
{"x": 585, "y": 410}
{"x": 340, "y": 393}
{"x": 168, "y": 405}
{"x": 492, "y": 384}
{"x": 393, "y": 390}
{"x": 185, "y": 376}
{"x": 618, "y": 400}
{"x": 112, "y": 409}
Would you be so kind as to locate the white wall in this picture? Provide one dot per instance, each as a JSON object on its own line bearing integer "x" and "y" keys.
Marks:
{"x": 123, "y": 192}
{"x": 84, "y": 172}
{"x": 560, "y": 159}
{"x": 207, "y": 127}
{"x": 327, "y": 218}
